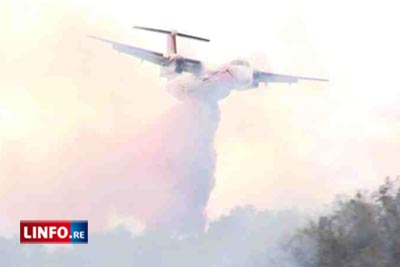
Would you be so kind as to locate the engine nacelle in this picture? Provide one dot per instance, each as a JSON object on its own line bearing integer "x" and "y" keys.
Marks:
{"x": 254, "y": 84}
{"x": 173, "y": 67}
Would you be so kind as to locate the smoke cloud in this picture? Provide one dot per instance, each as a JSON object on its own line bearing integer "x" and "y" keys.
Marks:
{"x": 170, "y": 168}
{"x": 245, "y": 237}
{"x": 162, "y": 176}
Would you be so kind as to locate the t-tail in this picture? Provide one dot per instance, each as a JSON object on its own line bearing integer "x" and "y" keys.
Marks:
{"x": 171, "y": 45}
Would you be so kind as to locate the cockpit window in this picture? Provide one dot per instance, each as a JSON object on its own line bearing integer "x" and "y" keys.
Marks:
{"x": 240, "y": 62}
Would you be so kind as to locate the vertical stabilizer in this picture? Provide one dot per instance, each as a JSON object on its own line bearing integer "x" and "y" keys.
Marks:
{"x": 171, "y": 45}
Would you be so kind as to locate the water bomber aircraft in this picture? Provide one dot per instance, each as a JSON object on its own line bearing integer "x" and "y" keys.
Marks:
{"x": 201, "y": 82}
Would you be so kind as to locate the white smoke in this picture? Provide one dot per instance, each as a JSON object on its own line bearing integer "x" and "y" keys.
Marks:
{"x": 161, "y": 176}
{"x": 245, "y": 237}
{"x": 171, "y": 167}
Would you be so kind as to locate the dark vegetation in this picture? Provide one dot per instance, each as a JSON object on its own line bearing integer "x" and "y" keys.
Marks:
{"x": 362, "y": 231}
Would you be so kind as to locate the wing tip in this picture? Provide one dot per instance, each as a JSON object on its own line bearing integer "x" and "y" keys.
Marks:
{"x": 314, "y": 79}
{"x": 98, "y": 38}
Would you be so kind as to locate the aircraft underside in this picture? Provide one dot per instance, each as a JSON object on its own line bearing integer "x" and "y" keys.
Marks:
{"x": 208, "y": 87}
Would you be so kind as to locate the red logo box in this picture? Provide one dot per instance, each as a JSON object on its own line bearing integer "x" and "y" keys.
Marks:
{"x": 52, "y": 232}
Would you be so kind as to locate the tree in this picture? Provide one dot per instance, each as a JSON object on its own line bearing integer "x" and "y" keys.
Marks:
{"x": 362, "y": 231}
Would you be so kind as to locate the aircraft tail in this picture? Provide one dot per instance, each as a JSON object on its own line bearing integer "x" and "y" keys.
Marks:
{"x": 171, "y": 45}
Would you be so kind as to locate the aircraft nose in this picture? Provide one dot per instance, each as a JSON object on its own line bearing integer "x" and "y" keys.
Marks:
{"x": 242, "y": 74}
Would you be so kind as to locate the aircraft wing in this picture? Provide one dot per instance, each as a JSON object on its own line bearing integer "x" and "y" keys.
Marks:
{"x": 267, "y": 77}
{"x": 148, "y": 55}
{"x": 185, "y": 64}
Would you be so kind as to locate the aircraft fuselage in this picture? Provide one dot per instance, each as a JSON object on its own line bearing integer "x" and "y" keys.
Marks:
{"x": 211, "y": 84}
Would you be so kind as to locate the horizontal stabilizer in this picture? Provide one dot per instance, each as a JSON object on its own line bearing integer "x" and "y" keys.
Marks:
{"x": 172, "y": 33}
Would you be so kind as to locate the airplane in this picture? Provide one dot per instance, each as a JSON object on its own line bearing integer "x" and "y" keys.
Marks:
{"x": 200, "y": 82}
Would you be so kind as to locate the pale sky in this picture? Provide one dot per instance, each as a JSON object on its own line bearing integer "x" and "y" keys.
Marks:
{"x": 278, "y": 146}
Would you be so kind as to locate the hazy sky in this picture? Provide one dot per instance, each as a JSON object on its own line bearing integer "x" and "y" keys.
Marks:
{"x": 277, "y": 147}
